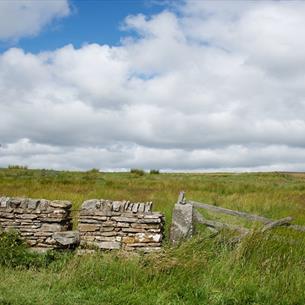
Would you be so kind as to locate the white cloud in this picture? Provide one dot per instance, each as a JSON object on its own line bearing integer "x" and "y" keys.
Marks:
{"x": 208, "y": 88}
{"x": 27, "y": 18}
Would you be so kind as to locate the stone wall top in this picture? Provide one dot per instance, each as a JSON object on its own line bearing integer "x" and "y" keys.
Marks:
{"x": 117, "y": 206}
{"x": 32, "y": 204}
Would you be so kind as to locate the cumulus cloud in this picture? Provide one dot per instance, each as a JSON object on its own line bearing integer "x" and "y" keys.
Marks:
{"x": 199, "y": 87}
{"x": 27, "y": 18}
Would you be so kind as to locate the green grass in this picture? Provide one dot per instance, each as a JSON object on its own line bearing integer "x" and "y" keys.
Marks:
{"x": 264, "y": 269}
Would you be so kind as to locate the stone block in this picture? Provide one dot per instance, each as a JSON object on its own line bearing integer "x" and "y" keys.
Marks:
{"x": 142, "y": 238}
{"x": 91, "y": 204}
{"x": 89, "y": 227}
{"x": 67, "y": 238}
{"x": 51, "y": 227}
{"x": 109, "y": 245}
{"x": 62, "y": 204}
{"x": 182, "y": 223}
{"x": 152, "y": 220}
{"x": 125, "y": 219}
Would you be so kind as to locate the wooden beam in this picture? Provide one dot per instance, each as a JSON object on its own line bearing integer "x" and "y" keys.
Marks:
{"x": 277, "y": 223}
{"x": 297, "y": 228}
{"x": 218, "y": 225}
{"x": 216, "y": 209}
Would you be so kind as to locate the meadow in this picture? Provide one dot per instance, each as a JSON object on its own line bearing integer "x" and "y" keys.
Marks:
{"x": 264, "y": 268}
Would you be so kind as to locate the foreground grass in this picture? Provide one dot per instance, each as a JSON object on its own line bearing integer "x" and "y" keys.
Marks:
{"x": 263, "y": 269}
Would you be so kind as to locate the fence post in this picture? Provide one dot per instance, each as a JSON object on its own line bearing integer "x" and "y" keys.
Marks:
{"x": 182, "y": 220}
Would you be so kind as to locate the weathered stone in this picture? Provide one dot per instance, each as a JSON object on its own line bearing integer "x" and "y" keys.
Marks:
{"x": 153, "y": 220}
{"x": 107, "y": 229}
{"x": 59, "y": 212}
{"x": 145, "y": 226}
{"x": 154, "y": 230}
{"x": 15, "y": 202}
{"x": 89, "y": 227}
{"x": 43, "y": 204}
{"x": 116, "y": 205}
{"x": 53, "y": 219}
{"x": 51, "y": 227}
{"x": 43, "y": 234}
{"x": 91, "y": 204}
{"x": 26, "y": 216}
{"x": 109, "y": 245}
{"x": 4, "y": 202}
{"x": 108, "y": 223}
{"x": 88, "y": 220}
{"x": 148, "y": 207}
{"x": 153, "y": 216}
{"x": 123, "y": 224}
{"x": 32, "y": 204}
{"x": 60, "y": 204}
{"x": 142, "y": 238}
{"x": 125, "y": 219}
{"x": 132, "y": 230}
{"x": 50, "y": 241}
{"x": 110, "y": 233}
{"x": 6, "y": 215}
{"x": 141, "y": 208}
{"x": 182, "y": 222}
{"x": 106, "y": 238}
{"x": 68, "y": 238}
{"x": 135, "y": 208}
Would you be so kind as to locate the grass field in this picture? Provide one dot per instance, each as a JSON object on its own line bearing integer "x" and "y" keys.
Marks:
{"x": 264, "y": 269}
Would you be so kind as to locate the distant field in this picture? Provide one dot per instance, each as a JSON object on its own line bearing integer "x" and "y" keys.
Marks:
{"x": 264, "y": 269}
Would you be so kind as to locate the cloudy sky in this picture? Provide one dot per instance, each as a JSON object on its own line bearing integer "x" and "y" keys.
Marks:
{"x": 189, "y": 85}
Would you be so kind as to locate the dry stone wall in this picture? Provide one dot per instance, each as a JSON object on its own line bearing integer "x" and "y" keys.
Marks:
{"x": 120, "y": 225}
{"x": 39, "y": 221}
{"x": 104, "y": 224}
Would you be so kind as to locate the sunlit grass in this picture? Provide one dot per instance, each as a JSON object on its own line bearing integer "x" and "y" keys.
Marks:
{"x": 264, "y": 268}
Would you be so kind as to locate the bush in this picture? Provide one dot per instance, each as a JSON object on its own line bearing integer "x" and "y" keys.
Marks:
{"x": 11, "y": 166}
{"x": 14, "y": 253}
{"x": 154, "y": 172}
{"x": 137, "y": 171}
{"x": 93, "y": 171}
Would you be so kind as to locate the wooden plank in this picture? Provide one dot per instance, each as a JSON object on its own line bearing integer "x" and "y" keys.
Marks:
{"x": 218, "y": 225}
{"x": 216, "y": 209}
{"x": 277, "y": 223}
{"x": 297, "y": 228}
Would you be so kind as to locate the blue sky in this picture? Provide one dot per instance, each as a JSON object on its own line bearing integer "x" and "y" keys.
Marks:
{"x": 90, "y": 21}
{"x": 196, "y": 85}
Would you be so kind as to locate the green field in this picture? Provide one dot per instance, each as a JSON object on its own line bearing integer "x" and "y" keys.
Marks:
{"x": 264, "y": 268}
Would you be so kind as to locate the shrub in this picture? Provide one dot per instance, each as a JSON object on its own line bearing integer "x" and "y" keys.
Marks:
{"x": 93, "y": 171}
{"x": 137, "y": 171}
{"x": 12, "y": 166}
{"x": 154, "y": 172}
{"x": 14, "y": 253}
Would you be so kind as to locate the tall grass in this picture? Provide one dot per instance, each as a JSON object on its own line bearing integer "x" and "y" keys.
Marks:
{"x": 264, "y": 268}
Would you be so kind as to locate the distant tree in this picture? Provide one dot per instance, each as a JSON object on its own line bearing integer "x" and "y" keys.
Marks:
{"x": 13, "y": 166}
{"x": 137, "y": 171}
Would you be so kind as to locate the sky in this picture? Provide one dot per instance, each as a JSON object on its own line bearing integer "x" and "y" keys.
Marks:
{"x": 173, "y": 85}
